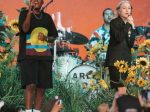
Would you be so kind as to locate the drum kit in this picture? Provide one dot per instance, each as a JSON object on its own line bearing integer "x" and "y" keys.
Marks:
{"x": 69, "y": 66}
{"x": 67, "y": 63}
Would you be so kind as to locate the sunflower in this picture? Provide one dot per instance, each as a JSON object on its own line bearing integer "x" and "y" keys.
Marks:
{"x": 145, "y": 46}
{"x": 93, "y": 87}
{"x": 119, "y": 64}
{"x": 14, "y": 25}
{"x": 147, "y": 43}
{"x": 92, "y": 82}
{"x": 104, "y": 48}
{"x": 122, "y": 66}
{"x": 103, "y": 84}
{"x": 145, "y": 72}
{"x": 130, "y": 79}
{"x": 96, "y": 75}
{"x": 132, "y": 68}
{"x": 142, "y": 62}
{"x": 95, "y": 49}
{"x": 91, "y": 56}
{"x": 132, "y": 51}
{"x": 132, "y": 71}
{"x": 3, "y": 57}
{"x": 141, "y": 82}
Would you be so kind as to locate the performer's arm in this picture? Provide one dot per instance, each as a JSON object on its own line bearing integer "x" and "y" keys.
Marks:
{"x": 53, "y": 34}
{"x": 133, "y": 31}
{"x": 26, "y": 24}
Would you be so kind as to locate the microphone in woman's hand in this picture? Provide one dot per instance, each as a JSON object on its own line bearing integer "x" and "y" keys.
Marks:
{"x": 131, "y": 21}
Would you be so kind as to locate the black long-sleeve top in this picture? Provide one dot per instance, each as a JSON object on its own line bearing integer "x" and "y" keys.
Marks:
{"x": 122, "y": 37}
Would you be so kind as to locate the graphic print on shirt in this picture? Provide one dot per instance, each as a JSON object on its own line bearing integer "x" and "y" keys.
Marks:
{"x": 36, "y": 47}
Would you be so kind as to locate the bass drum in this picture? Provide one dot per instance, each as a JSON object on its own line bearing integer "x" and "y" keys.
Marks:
{"x": 82, "y": 74}
{"x": 64, "y": 64}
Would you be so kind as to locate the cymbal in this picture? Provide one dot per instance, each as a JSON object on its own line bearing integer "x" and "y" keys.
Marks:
{"x": 76, "y": 38}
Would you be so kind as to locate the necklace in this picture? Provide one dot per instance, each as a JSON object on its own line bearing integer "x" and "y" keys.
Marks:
{"x": 39, "y": 18}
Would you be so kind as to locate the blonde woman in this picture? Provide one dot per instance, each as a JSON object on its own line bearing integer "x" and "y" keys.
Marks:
{"x": 122, "y": 33}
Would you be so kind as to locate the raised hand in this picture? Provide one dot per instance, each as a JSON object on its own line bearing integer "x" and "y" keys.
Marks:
{"x": 41, "y": 36}
{"x": 131, "y": 21}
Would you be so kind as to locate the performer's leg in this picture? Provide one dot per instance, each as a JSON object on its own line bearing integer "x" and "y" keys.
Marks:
{"x": 39, "y": 96}
{"x": 29, "y": 92}
{"x": 44, "y": 81}
{"x": 114, "y": 77}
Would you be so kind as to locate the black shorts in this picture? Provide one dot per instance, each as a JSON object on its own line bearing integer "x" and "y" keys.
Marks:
{"x": 38, "y": 72}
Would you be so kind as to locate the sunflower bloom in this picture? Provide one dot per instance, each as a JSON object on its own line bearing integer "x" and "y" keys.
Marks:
{"x": 117, "y": 63}
{"x": 104, "y": 48}
{"x": 91, "y": 55}
{"x": 132, "y": 71}
{"x": 147, "y": 43}
{"x": 103, "y": 84}
{"x": 132, "y": 50}
{"x": 92, "y": 82}
{"x": 132, "y": 68}
{"x": 14, "y": 25}
{"x": 3, "y": 57}
{"x": 93, "y": 88}
{"x": 130, "y": 79}
{"x": 142, "y": 63}
{"x": 141, "y": 82}
{"x": 122, "y": 66}
{"x": 94, "y": 49}
{"x": 145, "y": 72}
{"x": 145, "y": 46}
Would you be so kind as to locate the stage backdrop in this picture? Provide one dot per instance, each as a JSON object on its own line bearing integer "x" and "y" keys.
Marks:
{"x": 84, "y": 16}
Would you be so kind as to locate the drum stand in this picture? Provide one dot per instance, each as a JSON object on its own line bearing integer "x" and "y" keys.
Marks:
{"x": 104, "y": 74}
{"x": 55, "y": 53}
{"x": 55, "y": 57}
{"x": 55, "y": 49}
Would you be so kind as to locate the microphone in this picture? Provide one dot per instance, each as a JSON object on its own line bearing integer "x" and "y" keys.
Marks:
{"x": 50, "y": 1}
{"x": 133, "y": 26}
{"x": 130, "y": 19}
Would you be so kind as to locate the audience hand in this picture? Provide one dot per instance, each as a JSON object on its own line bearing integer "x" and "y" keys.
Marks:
{"x": 57, "y": 107}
